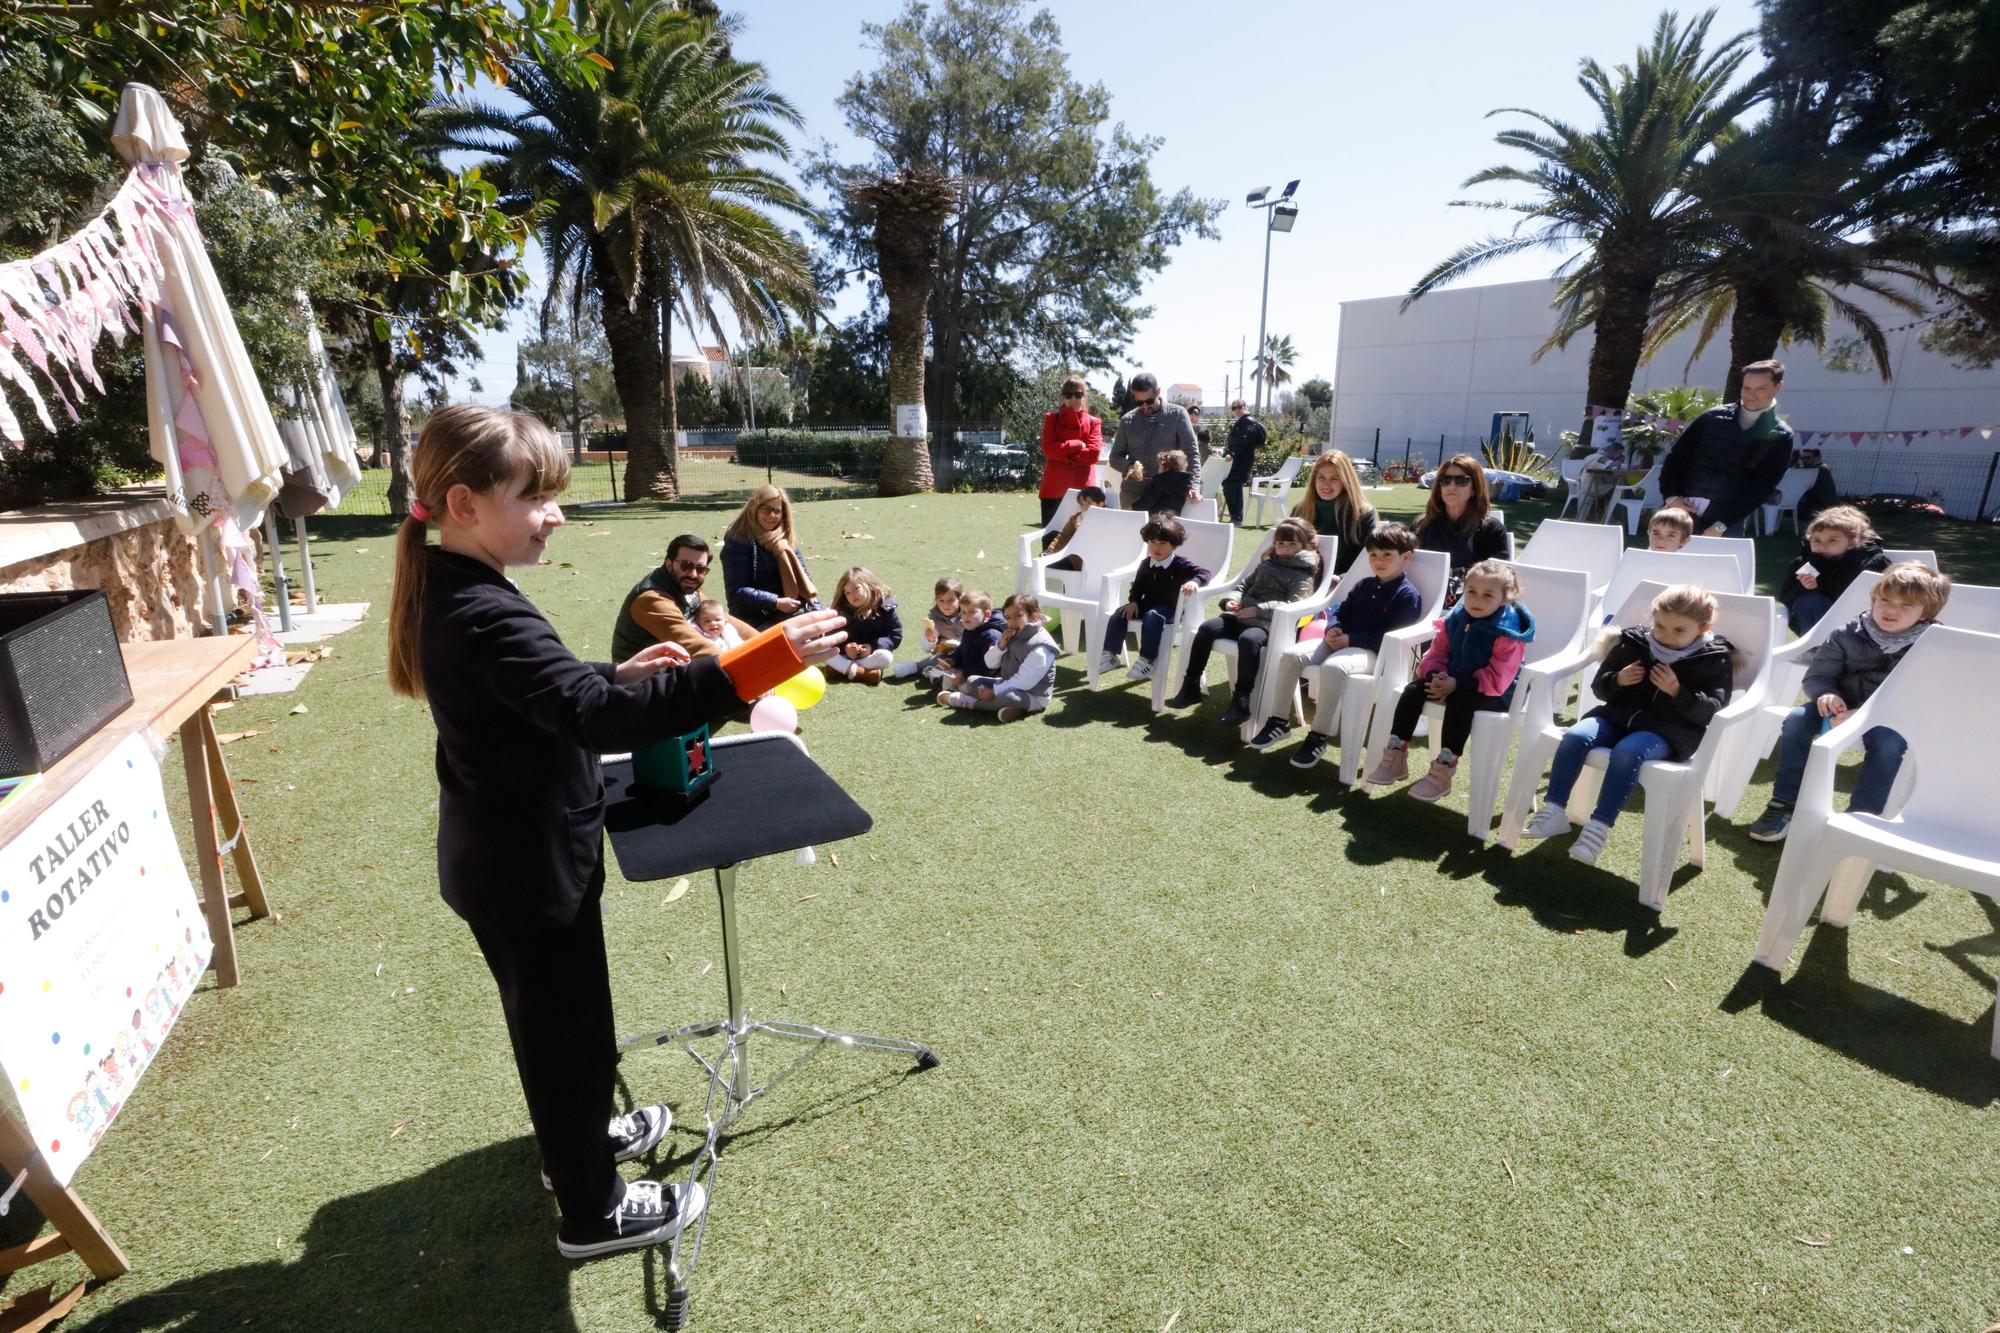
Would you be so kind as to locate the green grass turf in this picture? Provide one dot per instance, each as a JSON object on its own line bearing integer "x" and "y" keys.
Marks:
{"x": 1225, "y": 1047}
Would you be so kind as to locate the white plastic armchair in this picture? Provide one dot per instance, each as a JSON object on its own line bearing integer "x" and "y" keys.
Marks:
{"x": 1207, "y": 545}
{"x": 1792, "y": 488}
{"x": 1635, "y": 505}
{"x": 1330, "y": 593}
{"x": 1740, "y": 549}
{"x": 1571, "y": 471}
{"x": 1285, "y": 617}
{"x": 1561, "y": 602}
{"x": 1943, "y": 832}
{"x": 1275, "y": 489}
{"x": 1031, "y": 546}
{"x": 1899, "y": 554}
{"x": 1594, "y": 548}
{"x": 1213, "y": 470}
{"x": 1717, "y": 573}
{"x": 1201, "y": 511}
{"x": 1106, "y": 539}
{"x": 1675, "y": 812}
{"x": 1362, "y": 696}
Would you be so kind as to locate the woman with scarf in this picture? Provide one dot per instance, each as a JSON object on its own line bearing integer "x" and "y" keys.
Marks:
{"x": 1072, "y": 439}
{"x": 762, "y": 569}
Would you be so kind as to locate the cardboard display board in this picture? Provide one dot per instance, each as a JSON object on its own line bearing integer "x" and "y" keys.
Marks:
{"x": 101, "y": 942}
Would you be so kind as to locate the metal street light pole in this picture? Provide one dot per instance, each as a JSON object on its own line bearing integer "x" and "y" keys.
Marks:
{"x": 1275, "y": 209}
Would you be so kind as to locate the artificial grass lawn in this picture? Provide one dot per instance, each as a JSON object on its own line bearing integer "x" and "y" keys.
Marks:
{"x": 1224, "y": 1046}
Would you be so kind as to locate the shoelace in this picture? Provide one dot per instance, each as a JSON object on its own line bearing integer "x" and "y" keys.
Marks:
{"x": 630, "y": 1127}
{"x": 644, "y": 1199}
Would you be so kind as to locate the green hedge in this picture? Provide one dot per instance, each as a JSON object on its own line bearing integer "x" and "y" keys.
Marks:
{"x": 829, "y": 453}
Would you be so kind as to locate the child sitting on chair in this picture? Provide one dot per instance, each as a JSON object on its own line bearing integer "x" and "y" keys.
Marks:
{"x": 1845, "y": 670}
{"x": 983, "y": 628}
{"x": 942, "y": 629}
{"x": 1286, "y": 574}
{"x": 1087, "y": 499}
{"x": 711, "y": 618}
{"x": 1167, "y": 491}
{"x": 1022, "y": 666}
{"x": 1660, "y": 685}
{"x": 874, "y": 627}
{"x": 1840, "y": 543}
{"x": 1354, "y": 631}
{"x": 1669, "y": 529}
{"x": 1155, "y": 596}
{"x": 1469, "y": 668}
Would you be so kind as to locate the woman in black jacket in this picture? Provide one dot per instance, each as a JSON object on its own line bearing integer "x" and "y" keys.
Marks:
{"x": 1459, "y": 520}
{"x": 1660, "y": 685}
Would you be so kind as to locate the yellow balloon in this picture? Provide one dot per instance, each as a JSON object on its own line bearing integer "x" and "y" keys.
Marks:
{"x": 803, "y": 690}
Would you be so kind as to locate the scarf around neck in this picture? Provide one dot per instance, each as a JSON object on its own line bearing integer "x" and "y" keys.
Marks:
{"x": 1887, "y": 642}
{"x": 791, "y": 570}
{"x": 1662, "y": 653}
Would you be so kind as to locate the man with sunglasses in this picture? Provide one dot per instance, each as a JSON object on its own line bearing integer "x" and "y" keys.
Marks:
{"x": 660, "y": 607}
{"x": 1153, "y": 427}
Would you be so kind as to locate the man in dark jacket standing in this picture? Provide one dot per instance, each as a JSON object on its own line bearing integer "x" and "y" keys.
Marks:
{"x": 1246, "y": 437}
{"x": 1153, "y": 427}
{"x": 1730, "y": 458}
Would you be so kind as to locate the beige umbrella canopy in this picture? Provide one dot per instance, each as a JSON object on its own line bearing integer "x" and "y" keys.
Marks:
{"x": 212, "y": 430}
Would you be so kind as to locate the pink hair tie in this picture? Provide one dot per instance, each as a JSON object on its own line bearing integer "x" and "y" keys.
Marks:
{"x": 418, "y": 512}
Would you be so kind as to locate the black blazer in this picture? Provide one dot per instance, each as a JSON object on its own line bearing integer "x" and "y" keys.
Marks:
{"x": 520, "y": 724}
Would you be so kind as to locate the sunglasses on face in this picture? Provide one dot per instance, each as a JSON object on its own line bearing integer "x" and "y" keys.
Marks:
{"x": 686, "y": 568}
{"x": 1144, "y": 402}
{"x": 1072, "y": 393}
{"x": 1454, "y": 479}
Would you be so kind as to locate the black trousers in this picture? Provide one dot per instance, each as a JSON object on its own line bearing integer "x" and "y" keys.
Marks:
{"x": 1459, "y": 707}
{"x": 555, "y": 987}
{"x": 1232, "y": 491}
{"x": 1250, "y": 640}
{"x": 1049, "y": 507}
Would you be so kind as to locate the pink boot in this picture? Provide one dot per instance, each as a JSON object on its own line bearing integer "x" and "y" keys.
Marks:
{"x": 1395, "y": 765}
{"x": 1437, "y": 783}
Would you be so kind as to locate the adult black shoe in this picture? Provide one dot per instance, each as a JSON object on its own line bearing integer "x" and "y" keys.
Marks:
{"x": 633, "y": 1134}
{"x": 1310, "y": 750}
{"x": 1275, "y": 730}
{"x": 1186, "y": 697}
{"x": 648, "y": 1214}
{"x": 1237, "y": 713}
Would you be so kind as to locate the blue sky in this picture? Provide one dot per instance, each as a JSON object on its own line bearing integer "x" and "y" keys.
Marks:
{"x": 1379, "y": 110}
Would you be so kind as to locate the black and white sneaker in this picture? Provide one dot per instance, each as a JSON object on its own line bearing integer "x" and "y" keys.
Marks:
{"x": 1310, "y": 750}
{"x": 1275, "y": 730}
{"x": 633, "y": 1134}
{"x": 648, "y": 1214}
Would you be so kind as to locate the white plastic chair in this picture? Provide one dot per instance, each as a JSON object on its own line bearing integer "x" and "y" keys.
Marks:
{"x": 1201, "y": 511}
{"x": 1561, "y": 601}
{"x": 1897, "y": 556}
{"x": 1792, "y": 488}
{"x": 1327, "y": 596}
{"x": 1275, "y": 489}
{"x": 1285, "y": 617}
{"x": 1674, "y": 812}
{"x": 1594, "y": 548}
{"x": 1105, "y": 540}
{"x": 1571, "y": 472}
{"x": 1031, "y": 544}
{"x": 1635, "y": 507}
{"x": 1944, "y": 831}
{"x": 1361, "y": 698}
{"x": 1717, "y": 573}
{"x": 1208, "y": 545}
{"x": 1212, "y": 472}
{"x": 1740, "y": 549}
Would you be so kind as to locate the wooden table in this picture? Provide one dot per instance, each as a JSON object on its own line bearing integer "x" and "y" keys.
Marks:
{"x": 173, "y": 683}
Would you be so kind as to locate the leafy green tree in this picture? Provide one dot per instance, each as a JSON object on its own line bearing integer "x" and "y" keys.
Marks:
{"x": 1121, "y": 398}
{"x": 1060, "y": 222}
{"x": 649, "y": 199}
{"x": 696, "y": 399}
{"x": 1317, "y": 391}
{"x": 564, "y": 376}
{"x": 1618, "y": 188}
{"x": 850, "y": 380}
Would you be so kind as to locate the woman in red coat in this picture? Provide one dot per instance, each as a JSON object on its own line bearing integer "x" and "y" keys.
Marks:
{"x": 1071, "y": 441}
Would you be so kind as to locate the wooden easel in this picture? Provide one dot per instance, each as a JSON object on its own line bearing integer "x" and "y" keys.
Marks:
{"x": 212, "y": 794}
{"x": 77, "y": 1231}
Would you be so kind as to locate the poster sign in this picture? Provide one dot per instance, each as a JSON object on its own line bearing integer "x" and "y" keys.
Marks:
{"x": 101, "y": 941}
{"x": 910, "y": 422}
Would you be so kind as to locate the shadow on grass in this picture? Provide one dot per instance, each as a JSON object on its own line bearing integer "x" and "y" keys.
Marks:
{"x": 1823, "y": 1003}
{"x": 469, "y": 1243}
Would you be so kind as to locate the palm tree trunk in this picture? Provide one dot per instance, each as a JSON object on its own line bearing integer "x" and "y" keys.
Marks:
{"x": 910, "y": 211}
{"x": 906, "y": 463}
{"x": 1754, "y": 329}
{"x": 673, "y": 406}
{"x": 1620, "y": 331}
{"x": 395, "y": 426}
{"x": 632, "y": 334}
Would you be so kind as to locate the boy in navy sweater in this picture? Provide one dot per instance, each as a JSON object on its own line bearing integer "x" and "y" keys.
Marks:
{"x": 1155, "y": 595}
{"x": 1354, "y": 631}
{"x": 983, "y": 628}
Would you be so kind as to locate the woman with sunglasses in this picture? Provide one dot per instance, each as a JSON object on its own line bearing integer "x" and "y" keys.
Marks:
{"x": 1072, "y": 439}
{"x": 761, "y": 565}
{"x": 1459, "y": 520}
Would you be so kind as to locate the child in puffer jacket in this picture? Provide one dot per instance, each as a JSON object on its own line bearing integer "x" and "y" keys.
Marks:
{"x": 1287, "y": 573}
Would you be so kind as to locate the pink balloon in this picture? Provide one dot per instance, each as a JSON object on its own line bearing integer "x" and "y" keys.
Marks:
{"x": 1312, "y": 629}
{"x": 774, "y": 714}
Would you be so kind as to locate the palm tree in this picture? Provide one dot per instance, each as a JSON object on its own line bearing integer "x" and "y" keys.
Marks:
{"x": 648, "y": 199}
{"x": 1273, "y": 364}
{"x": 910, "y": 209}
{"x": 1618, "y": 189}
{"x": 1786, "y": 203}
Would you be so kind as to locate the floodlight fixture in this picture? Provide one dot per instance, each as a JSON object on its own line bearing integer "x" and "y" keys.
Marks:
{"x": 1282, "y": 216}
{"x": 1256, "y": 196}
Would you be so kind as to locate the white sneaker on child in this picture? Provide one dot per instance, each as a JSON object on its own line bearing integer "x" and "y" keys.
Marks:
{"x": 1548, "y": 822}
{"x": 1590, "y": 841}
{"x": 1141, "y": 668}
{"x": 1107, "y": 664}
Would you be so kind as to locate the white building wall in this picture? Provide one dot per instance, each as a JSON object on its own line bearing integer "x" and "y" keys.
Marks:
{"x": 1443, "y": 367}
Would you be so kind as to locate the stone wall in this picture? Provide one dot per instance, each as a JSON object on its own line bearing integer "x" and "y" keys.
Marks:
{"x": 127, "y": 544}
